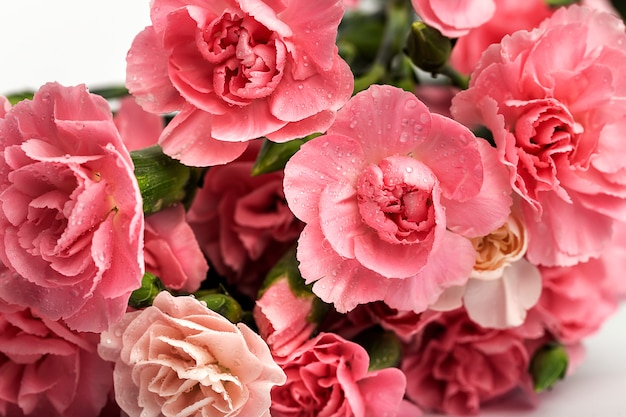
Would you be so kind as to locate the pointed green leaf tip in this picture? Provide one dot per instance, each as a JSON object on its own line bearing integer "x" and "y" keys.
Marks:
{"x": 143, "y": 296}
{"x": 548, "y": 365}
{"x": 273, "y": 156}
{"x": 384, "y": 348}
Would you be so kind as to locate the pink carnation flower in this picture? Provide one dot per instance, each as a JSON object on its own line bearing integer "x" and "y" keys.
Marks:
{"x": 242, "y": 222}
{"x": 328, "y": 376}
{"x": 138, "y": 128}
{"x": 385, "y": 195}
{"x": 554, "y": 99}
{"x": 177, "y": 358}
{"x": 71, "y": 219}
{"x": 47, "y": 369}
{"x": 454, "y": 18}
{"x": 458, "y": 365}
{"x": 238, "y": 70}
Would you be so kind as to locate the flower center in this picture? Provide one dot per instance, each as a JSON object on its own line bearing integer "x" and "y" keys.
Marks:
{"x": 499, "y": 249}
{"x": 395, "y": 199}
{"x": 248, "y": 58}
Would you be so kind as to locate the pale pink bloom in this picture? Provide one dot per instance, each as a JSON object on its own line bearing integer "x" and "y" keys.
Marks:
{"x": 71, "y": 219}
{"x": 458, "y": 365}
{"x": 49, "y": 370}
{"x": 503, "y": 285}
{"x": 238, "y": 70}
{"x": 172, "y": 252}
{"x": 328, "y": 376}
{"x": 177, "y": 358}
{"x": 138, "y": 128}
{"x": 242, "y": 222}
{"x": 385, "y": 195}
{"x": 510, "y": 16}
{"x": 454, "y": 18}
{"x": 284, "y": 318}
{"x": 554, "y": 99}
{"x": 575, "y": 300}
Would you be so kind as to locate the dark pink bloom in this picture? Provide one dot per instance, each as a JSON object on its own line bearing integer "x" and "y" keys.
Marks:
{"x": 71, "y": 219}
{"x": 242, "y": 222}
{"x": 385, "y": 195}
{"x": 555, "y": 100}
{"x": 48, "y": 370}
{"x": 238, "y": 70}
{"x": 172, "y": 252}
{"x": 328, "y": 376}
{"x": 454, "y": 18}
{"x": 458, "y": 365}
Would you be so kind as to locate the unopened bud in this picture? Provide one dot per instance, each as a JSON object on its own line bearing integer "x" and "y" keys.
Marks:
{"x": 427, "y": 47}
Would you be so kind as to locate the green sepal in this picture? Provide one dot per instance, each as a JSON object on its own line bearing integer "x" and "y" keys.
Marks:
{"x": 143, "y": 297}
{"x": 548, "y": 365}
{"x": 384, "y": 348}
{"x": 427, "y": 47}
{"x": 163, "y": 181}
{"x": 273, "y": 156}
{"x": 222, "y": 304}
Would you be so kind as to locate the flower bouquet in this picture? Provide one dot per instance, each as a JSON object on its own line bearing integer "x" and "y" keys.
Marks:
{"x": 317, "y": 208}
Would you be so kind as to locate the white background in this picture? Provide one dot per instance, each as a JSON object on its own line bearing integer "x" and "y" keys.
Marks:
{"x": 83, "y": 41}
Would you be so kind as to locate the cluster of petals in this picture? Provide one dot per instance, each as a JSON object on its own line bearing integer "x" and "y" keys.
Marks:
{"x": 458, "y": 365}
{"x": 242, "y": 222}
{"x": 554, "y": 100}
{"x": 47, "y": 369}
{"x": 178, "y": 358}
{"x": 237, "y": 70}
{"x": 385, "y": 196}
{"x": 71, "y": 219}
{"x": 328, "y": 376}
{"x": 503, "y": 285}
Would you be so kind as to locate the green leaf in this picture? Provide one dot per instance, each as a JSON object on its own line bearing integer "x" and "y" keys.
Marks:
{"x": 143, "y": 297}
{"x": 548, "y": 366}
{"x": 384, "y": 348}
{"x": 163, "y": 181}
{"x": 273, "y": 156}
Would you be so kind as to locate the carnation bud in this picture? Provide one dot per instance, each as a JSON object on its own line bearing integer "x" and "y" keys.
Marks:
{"x": 222, "y": 304}
{"x": 427, "y": 47}
{"x": 548, "y": 365}
{"x": 163, "y": 181}
{"x": 150, "y": 286}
